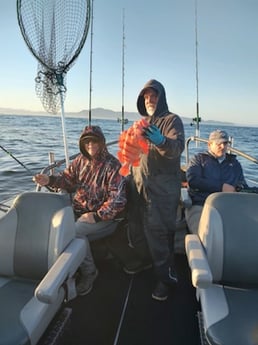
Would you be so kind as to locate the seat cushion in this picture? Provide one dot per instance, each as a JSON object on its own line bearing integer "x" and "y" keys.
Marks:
{"x": 14, "y": 295}
{"x": 228, "y": 231}
{"x": 231, "y": 315}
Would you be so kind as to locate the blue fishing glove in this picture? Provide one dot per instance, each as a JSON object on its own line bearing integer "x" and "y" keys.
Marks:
{"x": 154, "y": 135}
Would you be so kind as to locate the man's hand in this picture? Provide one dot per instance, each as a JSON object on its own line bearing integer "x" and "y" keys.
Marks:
{"x": 154, "y": 135}
{"x": 87, "y": 217}
{"x": 228, "y": 188}
{"x": 41, "y": 179}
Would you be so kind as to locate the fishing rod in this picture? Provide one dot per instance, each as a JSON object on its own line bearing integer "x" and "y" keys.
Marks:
{"x": 123, "y": 71}
{"x": 91, "y": 52}
{"x": 23, "y": 165}
{"x": 197, "y": 119}
{"x": 17, "y": 160}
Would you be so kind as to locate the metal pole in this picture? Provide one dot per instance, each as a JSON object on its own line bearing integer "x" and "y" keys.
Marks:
{"x": 64, "y": 129}
{"x": 123, "y": 70}
{"x": 91, "y": 44}
{"x": 197, "y": 119}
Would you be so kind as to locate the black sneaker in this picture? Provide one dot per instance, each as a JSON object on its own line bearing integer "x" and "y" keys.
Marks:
{"x": 160, "y": 292}
{"x": 172, "y": 275}
{"x": 136, "y": 267}
{"x": 85, "y": 283}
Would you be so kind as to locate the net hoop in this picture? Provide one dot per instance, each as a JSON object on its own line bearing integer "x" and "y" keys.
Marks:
{"x": 33, "y": 17}
{"x": 55, "y": 32}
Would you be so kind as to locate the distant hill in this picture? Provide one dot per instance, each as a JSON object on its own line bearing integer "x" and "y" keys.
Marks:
{"x": 99, "y": 113}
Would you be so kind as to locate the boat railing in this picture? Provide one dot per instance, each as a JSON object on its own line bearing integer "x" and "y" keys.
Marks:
{"x": 231, "y": 149}
{"x": 56, "y": 164}
{"x": 49, "y": 170}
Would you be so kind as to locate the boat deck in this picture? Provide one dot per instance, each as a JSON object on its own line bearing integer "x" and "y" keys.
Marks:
{"x": 120, "y": 311}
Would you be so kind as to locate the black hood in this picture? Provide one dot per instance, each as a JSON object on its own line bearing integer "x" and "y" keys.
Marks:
{"x": 89, "y": 132}
{"x": 162, "y": 107}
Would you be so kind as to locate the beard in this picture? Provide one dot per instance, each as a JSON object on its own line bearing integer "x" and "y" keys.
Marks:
{"x": 150, "y": 110}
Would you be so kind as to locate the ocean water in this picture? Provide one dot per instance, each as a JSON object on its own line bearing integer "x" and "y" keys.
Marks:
{"x": 30, "y": 138}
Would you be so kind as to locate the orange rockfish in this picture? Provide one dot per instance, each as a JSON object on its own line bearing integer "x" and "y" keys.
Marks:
{"x": 132, "y": 144}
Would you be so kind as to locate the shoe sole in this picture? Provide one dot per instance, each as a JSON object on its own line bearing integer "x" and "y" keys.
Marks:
{"x": 137, "y": 271}
{"x": 160, "y": 299}
{"x": 83, "y": 293}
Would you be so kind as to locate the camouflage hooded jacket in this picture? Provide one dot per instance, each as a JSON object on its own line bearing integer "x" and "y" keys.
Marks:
{"x": 96, "y": 183}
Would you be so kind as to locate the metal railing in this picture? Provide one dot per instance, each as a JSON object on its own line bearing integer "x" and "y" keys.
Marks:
{"x": 231, "y": 149}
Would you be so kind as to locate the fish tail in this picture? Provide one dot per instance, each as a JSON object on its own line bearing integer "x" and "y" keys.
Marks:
{"x": 144, "y": 146}
{"x": 120, "y": 156}
{"x": 124, "y": 170}
{"x": 136, "y": 162}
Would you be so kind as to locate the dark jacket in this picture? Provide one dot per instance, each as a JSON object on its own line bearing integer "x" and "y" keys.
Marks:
{"x": 97, "y": 184}
{"x": 157, "y": 180}
{"x": 205, "y": 175}
{"x": 164, "y": 159}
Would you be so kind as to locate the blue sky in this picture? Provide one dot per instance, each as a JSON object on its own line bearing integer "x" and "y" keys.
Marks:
{"x": 160, "y": 44}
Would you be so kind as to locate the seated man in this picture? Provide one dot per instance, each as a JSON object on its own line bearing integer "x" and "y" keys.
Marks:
{"x": 99, "y": 194}
{"x": 212, "y": 171}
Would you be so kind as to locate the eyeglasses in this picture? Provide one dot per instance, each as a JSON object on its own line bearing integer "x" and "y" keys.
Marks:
{"x": 91, "y": 139}
{"x": 221, "y": 143}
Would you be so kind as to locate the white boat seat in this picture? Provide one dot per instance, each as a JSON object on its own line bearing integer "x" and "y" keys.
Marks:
{"x": 223, "y": 258}
{"x": 185, "y": 198}
{"x": 39, "y": 256}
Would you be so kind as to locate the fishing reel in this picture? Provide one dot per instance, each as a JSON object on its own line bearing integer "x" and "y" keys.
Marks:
{"x": 195, "y": 120}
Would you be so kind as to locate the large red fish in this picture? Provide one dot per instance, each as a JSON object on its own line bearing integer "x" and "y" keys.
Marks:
{"x": 132, "y": 144}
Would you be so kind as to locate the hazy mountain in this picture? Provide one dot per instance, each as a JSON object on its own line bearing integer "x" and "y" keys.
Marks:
{"x": 100, "y": 113}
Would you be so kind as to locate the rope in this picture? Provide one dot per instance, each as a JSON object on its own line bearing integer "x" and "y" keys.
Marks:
{"x": 123, "y": 312}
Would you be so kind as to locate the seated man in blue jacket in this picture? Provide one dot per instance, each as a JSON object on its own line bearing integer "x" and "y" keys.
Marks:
{"x": 212, "y": 171}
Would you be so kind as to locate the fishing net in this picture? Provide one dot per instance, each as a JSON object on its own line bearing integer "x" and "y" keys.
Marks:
{"x": 48, "y": 87}
{"x": 55, "y": 32}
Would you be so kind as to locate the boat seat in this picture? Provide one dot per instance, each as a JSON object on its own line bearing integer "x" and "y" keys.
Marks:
{"x": 185, "y": 198}
{"x": 39, "y": 256}
{"x": 223, "y": 258}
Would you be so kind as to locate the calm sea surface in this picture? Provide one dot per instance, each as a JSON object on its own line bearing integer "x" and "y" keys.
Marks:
{"x": 31, "y": 138}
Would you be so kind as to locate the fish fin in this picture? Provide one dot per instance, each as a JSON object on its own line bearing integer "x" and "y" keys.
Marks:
{"x": 136, "y": 162}
{"x": 124, "y": 170}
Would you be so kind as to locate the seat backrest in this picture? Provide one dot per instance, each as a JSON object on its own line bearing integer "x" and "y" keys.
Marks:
{"x": 34, "y": 233}
{"x": 228, "y": 230}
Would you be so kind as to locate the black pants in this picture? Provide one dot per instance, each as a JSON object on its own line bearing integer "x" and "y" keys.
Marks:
{"x": 152, "y": 220}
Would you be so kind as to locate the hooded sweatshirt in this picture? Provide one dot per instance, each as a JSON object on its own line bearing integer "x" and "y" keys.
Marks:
{"x": 97, "y": 184}
{"x": 164, "y": 159}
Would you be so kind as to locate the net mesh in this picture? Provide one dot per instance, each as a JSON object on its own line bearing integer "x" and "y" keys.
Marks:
{"x": 49, "y": 85}
{"x": 55, "y": 32}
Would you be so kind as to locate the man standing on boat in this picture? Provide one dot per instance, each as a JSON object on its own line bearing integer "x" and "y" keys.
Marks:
{"x": 99, "y": 195}
{"x": 155, "y": 188}
{"x": 212, "y": 171}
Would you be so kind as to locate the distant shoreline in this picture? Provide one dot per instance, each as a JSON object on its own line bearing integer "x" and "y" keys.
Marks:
{"x": 107, "y": 114}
